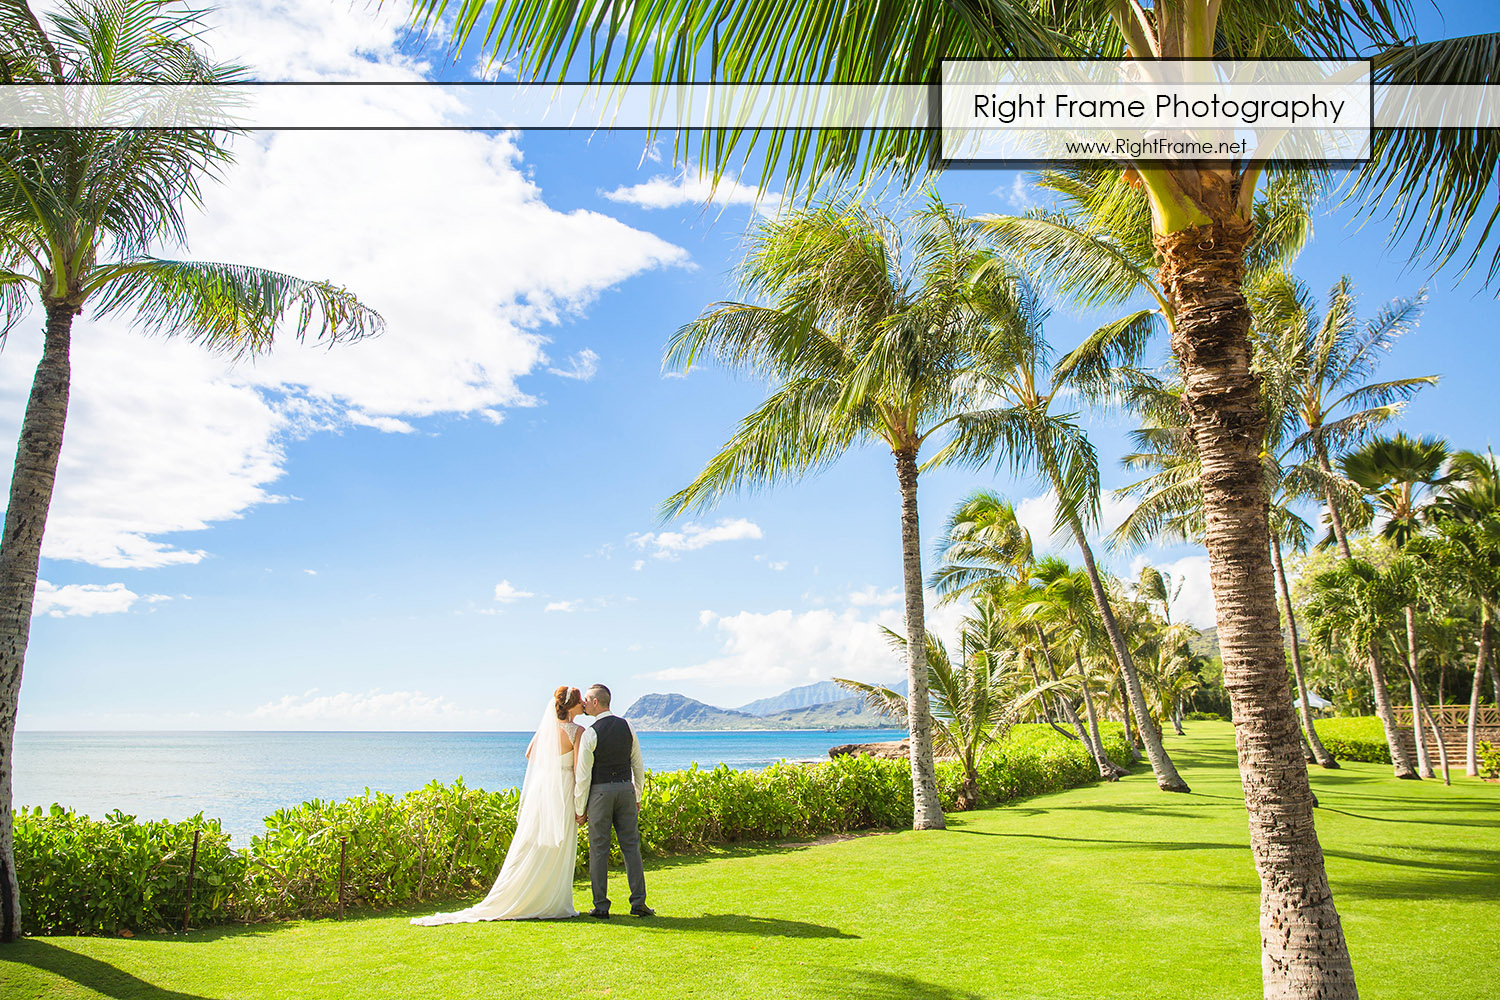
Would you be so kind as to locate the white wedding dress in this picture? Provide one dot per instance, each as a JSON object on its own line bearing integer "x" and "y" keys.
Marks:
{"x": 536, "y": 880}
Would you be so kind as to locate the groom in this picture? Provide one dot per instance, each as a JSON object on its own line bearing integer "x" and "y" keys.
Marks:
{"x": 610, "y": 780}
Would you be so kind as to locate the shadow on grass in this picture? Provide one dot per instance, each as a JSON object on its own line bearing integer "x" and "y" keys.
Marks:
{"x": 728, "y": 923}
{"x": 1155, "y": 845}
{"x": 854, "y": 984}
{"x": 90, "y": 973}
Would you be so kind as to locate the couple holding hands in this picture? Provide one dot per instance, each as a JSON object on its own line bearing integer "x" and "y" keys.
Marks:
{"x": 574, "y": 775}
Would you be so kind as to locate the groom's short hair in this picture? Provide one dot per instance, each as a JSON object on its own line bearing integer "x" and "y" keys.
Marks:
{"x": 600, "y": 693}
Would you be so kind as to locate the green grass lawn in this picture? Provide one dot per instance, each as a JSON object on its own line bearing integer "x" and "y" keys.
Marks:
{"x": 1106, "y": 891}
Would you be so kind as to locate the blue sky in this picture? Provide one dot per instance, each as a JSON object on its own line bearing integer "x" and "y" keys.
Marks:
{"x": 433, "y": 529}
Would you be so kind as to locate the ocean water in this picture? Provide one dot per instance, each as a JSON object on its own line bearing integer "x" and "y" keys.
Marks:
{"x": 242, "y": 777}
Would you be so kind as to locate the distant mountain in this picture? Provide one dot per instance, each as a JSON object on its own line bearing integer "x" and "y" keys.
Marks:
{"x": 660, "y": 712}
{"x": 846, "y": 713}
{"x": 1205, "y": 643}
{"x": 820, "y": 693}
{"x": 677, "y": 711}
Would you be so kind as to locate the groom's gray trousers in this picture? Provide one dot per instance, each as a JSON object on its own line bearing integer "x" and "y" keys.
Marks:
{"x": 614, "y": 805}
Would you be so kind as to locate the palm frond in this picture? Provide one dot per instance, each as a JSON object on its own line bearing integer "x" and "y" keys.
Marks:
{"x": 230, "y": 307}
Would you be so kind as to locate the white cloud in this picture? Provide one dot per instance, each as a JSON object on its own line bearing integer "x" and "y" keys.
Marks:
{"x": 387, "y": 425}
{"x": 671, "y": 544}
{"x": 638, "y": 565}
{"x": 774, "y": 565}
{"x": 505, "y": 593}
{"x": 311, "y": 572}
{"x": 582, "y": 366}
{"x": 372, "y": 709}
{"x": 164, "y": 438}
{"x": 770, "y": 651}
{"x": 87, "y": 599}
{"x": 1020, "y": 194}
{"x": 872, "y": 596}
{"x": 1036, "y": 515}
{"x": 693, "y": 187}
{"x": 1196, "y": 602}
{"x": 562, "y": 606}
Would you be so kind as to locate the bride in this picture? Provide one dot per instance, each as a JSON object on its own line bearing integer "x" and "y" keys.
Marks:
{"x": 536, "y": 880}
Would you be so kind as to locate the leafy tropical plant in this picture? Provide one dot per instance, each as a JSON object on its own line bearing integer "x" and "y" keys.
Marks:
{"x": 82, "y": 212}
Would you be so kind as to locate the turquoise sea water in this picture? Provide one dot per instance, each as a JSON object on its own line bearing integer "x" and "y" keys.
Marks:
{"x": 241, "y": 777}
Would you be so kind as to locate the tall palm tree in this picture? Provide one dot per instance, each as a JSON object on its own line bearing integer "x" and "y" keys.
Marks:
{"x": 1358, "y": 605}
{"x": 864, "y": 341}
{"x": 1399, "y": 474}
{"x": 1331, "y": 360}
{"x": 1023, "y": 429}
{"x": 1465, "y": 555}
{"x": 1171, "y": 502}
{"x": 81, "y": 213}
{"x": 1063, "y": 603}
{"x": 1433, "y": 181}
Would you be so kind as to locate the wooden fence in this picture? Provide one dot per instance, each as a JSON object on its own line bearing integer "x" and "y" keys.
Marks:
{"x": 1453, "y": 720}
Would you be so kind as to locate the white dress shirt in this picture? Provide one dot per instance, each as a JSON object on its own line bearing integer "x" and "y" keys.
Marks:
{"x": 584, "y": 774}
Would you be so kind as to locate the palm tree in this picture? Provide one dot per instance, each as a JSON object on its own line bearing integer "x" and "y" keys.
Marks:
{"x": 1022, "y": 429}
{"x": 970, "y": 701}
{"x": 1465, "y": 555}
{"x": 1398, "y": 474}
{"x": 1330, "y": 361}
{"x": 1062, "y": 604}
{"x": 1433, "y": 181}
{"x": 985, "y": 554}
{"x": 1171, "y": 502}
{"x": 862, "y": 345}
{"x": 80, "y": 213}
{"x": 1356, "y": 604}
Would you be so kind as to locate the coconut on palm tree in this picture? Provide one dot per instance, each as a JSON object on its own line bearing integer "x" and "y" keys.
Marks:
{"x": 82, "y": 212}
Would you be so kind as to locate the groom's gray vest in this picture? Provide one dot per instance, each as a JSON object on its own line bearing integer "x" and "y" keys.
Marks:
{"x": 612, "y": 745}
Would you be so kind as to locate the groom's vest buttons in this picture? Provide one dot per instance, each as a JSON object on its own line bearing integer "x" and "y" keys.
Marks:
{"x": 612, "y": 745}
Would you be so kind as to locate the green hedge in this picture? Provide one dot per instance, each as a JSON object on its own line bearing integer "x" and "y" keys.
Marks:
{"x": 446, "y": 842}
{"x": 1357, "y": 738}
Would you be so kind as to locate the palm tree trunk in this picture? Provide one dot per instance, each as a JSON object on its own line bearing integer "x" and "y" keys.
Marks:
{"x": 1303, "y": 950}
{"x": 1319, "y": 753}
{"x": 1400, "y": 763}
{"x": 1472, "y": 767}
{"x": 1335, "y": 519}
{"x": 1424, "y": 759}
{"x": 25, "y": 519}
{"x": 927, "y": 803}
{"x": 1177, "y": 716}
{"x": 1050, "y": 715}
{"x": 1167, "y": 778}
{"x": 1107, "y": 768}
{"x": 1132, "y": 738}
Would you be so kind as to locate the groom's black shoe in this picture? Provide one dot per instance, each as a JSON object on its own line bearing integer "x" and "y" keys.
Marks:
{"x": 599, "y": 914}
{"x": 642, "y": 911}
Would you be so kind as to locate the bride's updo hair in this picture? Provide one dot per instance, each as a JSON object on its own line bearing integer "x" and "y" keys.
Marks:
{"x": 565, "y": 698}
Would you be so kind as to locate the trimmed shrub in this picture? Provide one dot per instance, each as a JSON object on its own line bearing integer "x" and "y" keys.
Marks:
{"x": 445, "y": 842}
{"x": 1357, "y": 738}
{"x": 83, "y": 876}
{"x": 1489, "y": 759}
